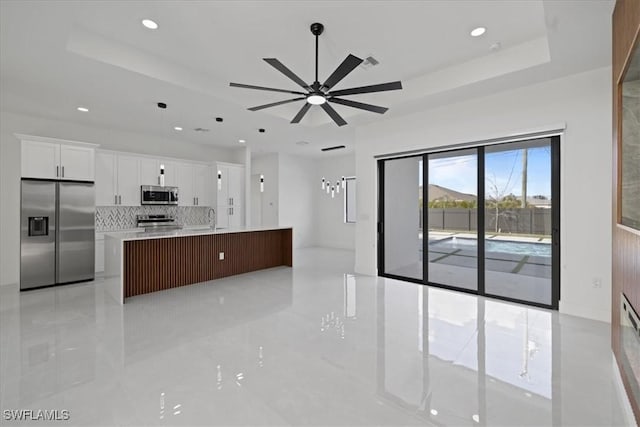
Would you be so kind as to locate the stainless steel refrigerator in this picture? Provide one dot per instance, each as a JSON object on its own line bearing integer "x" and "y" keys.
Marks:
{"x": 57, "y": 233}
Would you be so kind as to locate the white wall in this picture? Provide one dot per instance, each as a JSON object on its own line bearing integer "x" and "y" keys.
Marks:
{"x": 296, "y": 198}
{"x": 331, "y": 230}
{"x": 267, "y": 165}
{"x": 11, "y": 123}
{"x": 583, "y": 102}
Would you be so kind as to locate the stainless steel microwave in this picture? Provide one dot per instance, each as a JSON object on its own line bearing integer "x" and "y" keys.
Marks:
{"x": 156, "y": 195}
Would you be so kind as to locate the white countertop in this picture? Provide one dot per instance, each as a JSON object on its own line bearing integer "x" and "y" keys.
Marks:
{"x": 142, "y": 235}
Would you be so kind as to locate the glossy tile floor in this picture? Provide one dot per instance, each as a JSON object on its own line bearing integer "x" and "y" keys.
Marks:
{"x": 312, "y": 345}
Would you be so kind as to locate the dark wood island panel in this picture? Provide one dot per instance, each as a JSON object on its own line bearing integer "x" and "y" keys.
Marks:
{"x": 152, "y": 265}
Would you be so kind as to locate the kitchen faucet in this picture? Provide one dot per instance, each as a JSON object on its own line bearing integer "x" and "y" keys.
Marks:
{"x": 212, "y": 213}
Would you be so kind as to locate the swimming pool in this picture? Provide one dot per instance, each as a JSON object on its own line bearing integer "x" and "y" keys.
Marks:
{"x": 519, "y": 248}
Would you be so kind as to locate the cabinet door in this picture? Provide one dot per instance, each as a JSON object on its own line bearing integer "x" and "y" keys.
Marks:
{"x": 128, "y": 187}
{"x": 170, "y": 173}
{"x": 186, "y": 195}
{"x": 40, "y": 160}
{"x": 149, "y": 171}
{"x": 222, "y": 198}
{"x": 236, "y": 219}
{"x": 77, "y": 163}
{"x": 236, "y": 186}
{"x": 106, "y": 179}
{"x": 223, "y": 216}
{"x": 203, "y": 185}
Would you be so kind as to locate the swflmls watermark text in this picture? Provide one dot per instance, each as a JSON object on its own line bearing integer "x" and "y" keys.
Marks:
{"x": 36, "y": 414}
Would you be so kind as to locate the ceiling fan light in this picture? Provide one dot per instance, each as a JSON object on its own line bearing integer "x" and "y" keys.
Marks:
{"x": 316, "y": 99}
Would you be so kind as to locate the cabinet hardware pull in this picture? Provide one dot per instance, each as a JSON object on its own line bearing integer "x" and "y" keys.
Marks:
{"x": 57, "y": 170}
{"x": 120, "y": 199}
{"x": 116, "y": 199}
{"x": 63, "y": 171}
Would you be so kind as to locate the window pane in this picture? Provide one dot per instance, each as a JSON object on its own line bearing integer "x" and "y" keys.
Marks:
{"x": 453, "y": 219}
{"x": 518, "y": 214}
{"x": 402, "y": 209}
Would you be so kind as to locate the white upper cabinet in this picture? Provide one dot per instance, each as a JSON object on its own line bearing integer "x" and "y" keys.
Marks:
{"x": 106, "y": 179}
{"x": 235, "y": 191}
{"x": 222, "y": 185}
{"x": 48, "y": 158}
{"x": 128, "y": 186}
{"x": 40, "y": 160}
{"x": 149, "y": 171}
{"x": 186, "y": 195}
{"x": 203, "y": 185}
{"x": 117, "y": 179}
{"x": 77, "y": 163}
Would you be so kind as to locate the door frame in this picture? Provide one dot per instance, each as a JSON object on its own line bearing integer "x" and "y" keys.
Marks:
{"x": 481, "y": 289}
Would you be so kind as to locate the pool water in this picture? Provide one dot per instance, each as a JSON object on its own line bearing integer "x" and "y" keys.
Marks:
{"x": 519, "y": 248}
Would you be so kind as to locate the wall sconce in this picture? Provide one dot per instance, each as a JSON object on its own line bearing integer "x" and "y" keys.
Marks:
{"x": 262, "y": 183}
{"x": 219, "y": 180}
{"x": 161, "y": 175}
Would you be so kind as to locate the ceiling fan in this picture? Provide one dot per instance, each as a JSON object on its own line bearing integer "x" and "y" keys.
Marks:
{"x": 321, "y": 93}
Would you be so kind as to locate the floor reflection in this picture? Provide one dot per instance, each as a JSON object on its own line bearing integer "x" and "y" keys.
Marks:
{"x": 312, "y": 345}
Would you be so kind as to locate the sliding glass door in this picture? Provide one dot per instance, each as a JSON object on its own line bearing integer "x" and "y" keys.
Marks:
{"x": 519, "y": 207}
{"x": 403, "y": 248}
{"x": 453, "y": 219}
{"x": 483, "y": 220}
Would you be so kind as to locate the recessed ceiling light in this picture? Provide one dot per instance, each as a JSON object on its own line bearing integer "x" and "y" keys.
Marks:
{"x": 150, "y": 24}
{"x": 83, "y": 109}
{"x": 476, "y": 32}
{"x": 177, "y": 128}
{"x": 241, "y": 141}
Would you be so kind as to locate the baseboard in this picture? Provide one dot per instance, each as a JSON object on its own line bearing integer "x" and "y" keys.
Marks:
{"x": 580, "y": 311}
{"x": 627, "y": 410}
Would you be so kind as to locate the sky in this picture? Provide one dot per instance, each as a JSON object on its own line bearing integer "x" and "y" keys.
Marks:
{"x": 504, "y": 169}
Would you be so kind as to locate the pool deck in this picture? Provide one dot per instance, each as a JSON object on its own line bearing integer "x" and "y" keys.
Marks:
{"x": 519, "y": 276}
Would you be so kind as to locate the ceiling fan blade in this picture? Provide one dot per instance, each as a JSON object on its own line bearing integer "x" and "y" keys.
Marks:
{"x": 273, "y": 104}
{"x": 347, "y": 66}
{"x": 360, "y": 105}
{"x": 301, "y": 113}
{"x": 265, "y": 88}
{"x": 287, "y": 72}
{"x": 333, "y": 114}
{"x": 368, "y": 89}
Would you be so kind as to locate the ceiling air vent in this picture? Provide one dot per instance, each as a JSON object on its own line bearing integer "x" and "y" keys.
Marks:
{"x": 337, "y": 147}
{"x": 369, "y": 62}
{"x": 202, "y": 130}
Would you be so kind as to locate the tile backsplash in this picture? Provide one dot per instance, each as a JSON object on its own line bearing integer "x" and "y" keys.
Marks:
{"x": 110, "y": 218}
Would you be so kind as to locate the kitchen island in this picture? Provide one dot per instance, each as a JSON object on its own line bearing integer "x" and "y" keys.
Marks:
{"x": 138, "y": 263}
